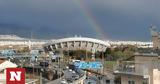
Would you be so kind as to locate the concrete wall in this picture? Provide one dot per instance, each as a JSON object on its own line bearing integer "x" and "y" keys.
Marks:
{"x": 156, "y": 44}
{"x": 148, "y": 64}
{"x": 143, "y": 64}
{"x": 126, "y": 78}
{"x": 156, "y": 76}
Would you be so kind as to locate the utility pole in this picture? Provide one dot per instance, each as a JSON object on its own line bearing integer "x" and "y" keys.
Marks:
{"x": 86, "y": 56}
{"x": 40, "y": 77}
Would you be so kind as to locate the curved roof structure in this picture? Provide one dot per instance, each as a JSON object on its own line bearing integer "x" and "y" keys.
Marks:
{"x": 77, "y": 43}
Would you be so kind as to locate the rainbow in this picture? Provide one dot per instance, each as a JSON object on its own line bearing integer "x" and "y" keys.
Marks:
{"x": 90, "y": 19}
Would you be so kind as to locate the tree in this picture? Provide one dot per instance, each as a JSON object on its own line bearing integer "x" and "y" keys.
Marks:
{"x": 121, "y": 52}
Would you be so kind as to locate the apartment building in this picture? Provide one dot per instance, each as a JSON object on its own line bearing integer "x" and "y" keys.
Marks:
{"x": 142, "y": 68}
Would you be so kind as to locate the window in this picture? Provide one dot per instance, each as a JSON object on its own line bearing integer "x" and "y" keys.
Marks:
{"x": 131, "y": 82}
{"x": 107, "y": 81}
{"x": 145, "y": 83}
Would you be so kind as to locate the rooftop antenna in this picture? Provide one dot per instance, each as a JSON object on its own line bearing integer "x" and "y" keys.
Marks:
{"x": 30, "y": 43}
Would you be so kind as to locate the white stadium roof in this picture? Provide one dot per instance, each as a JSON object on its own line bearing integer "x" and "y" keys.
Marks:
{"x": 73, "y": 43}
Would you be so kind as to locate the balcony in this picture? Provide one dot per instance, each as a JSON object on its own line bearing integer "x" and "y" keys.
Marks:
{"x": 130, "y": 68}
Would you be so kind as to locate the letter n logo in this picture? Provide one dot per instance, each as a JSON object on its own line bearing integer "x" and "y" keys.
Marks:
{"x": 15, "y": 76}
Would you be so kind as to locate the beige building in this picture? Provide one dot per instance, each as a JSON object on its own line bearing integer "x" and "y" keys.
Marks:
{"x": 142, "y": 69}
{"x": 155, "y": 37}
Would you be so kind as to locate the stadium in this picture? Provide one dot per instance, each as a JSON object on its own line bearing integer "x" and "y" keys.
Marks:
{"x": 77, "y": 43}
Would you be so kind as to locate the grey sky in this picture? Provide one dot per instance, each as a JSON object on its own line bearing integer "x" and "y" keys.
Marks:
{"x": 118, "y": 19}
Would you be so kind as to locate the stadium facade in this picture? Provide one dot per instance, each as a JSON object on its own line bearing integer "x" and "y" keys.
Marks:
{"x": 77, "y": 43}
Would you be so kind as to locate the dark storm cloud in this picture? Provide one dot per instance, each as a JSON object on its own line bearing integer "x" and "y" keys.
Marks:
{"x": 14, "y": 29}
{"x": 119, "y": 19}
{"x": 126, "y": 19}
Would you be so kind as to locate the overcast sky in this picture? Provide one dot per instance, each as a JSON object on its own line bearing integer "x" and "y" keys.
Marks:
{"x": 49, "y": 19}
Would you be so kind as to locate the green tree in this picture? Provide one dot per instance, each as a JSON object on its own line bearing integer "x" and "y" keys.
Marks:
{"x": 121, "y": 52}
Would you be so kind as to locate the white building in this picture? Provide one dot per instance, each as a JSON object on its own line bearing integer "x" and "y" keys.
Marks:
{"x": 13, "y": 40}
{"x": 139, "y": 44}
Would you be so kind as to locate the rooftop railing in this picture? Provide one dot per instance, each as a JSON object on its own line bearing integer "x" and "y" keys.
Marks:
{"x": 131, "y": 68}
